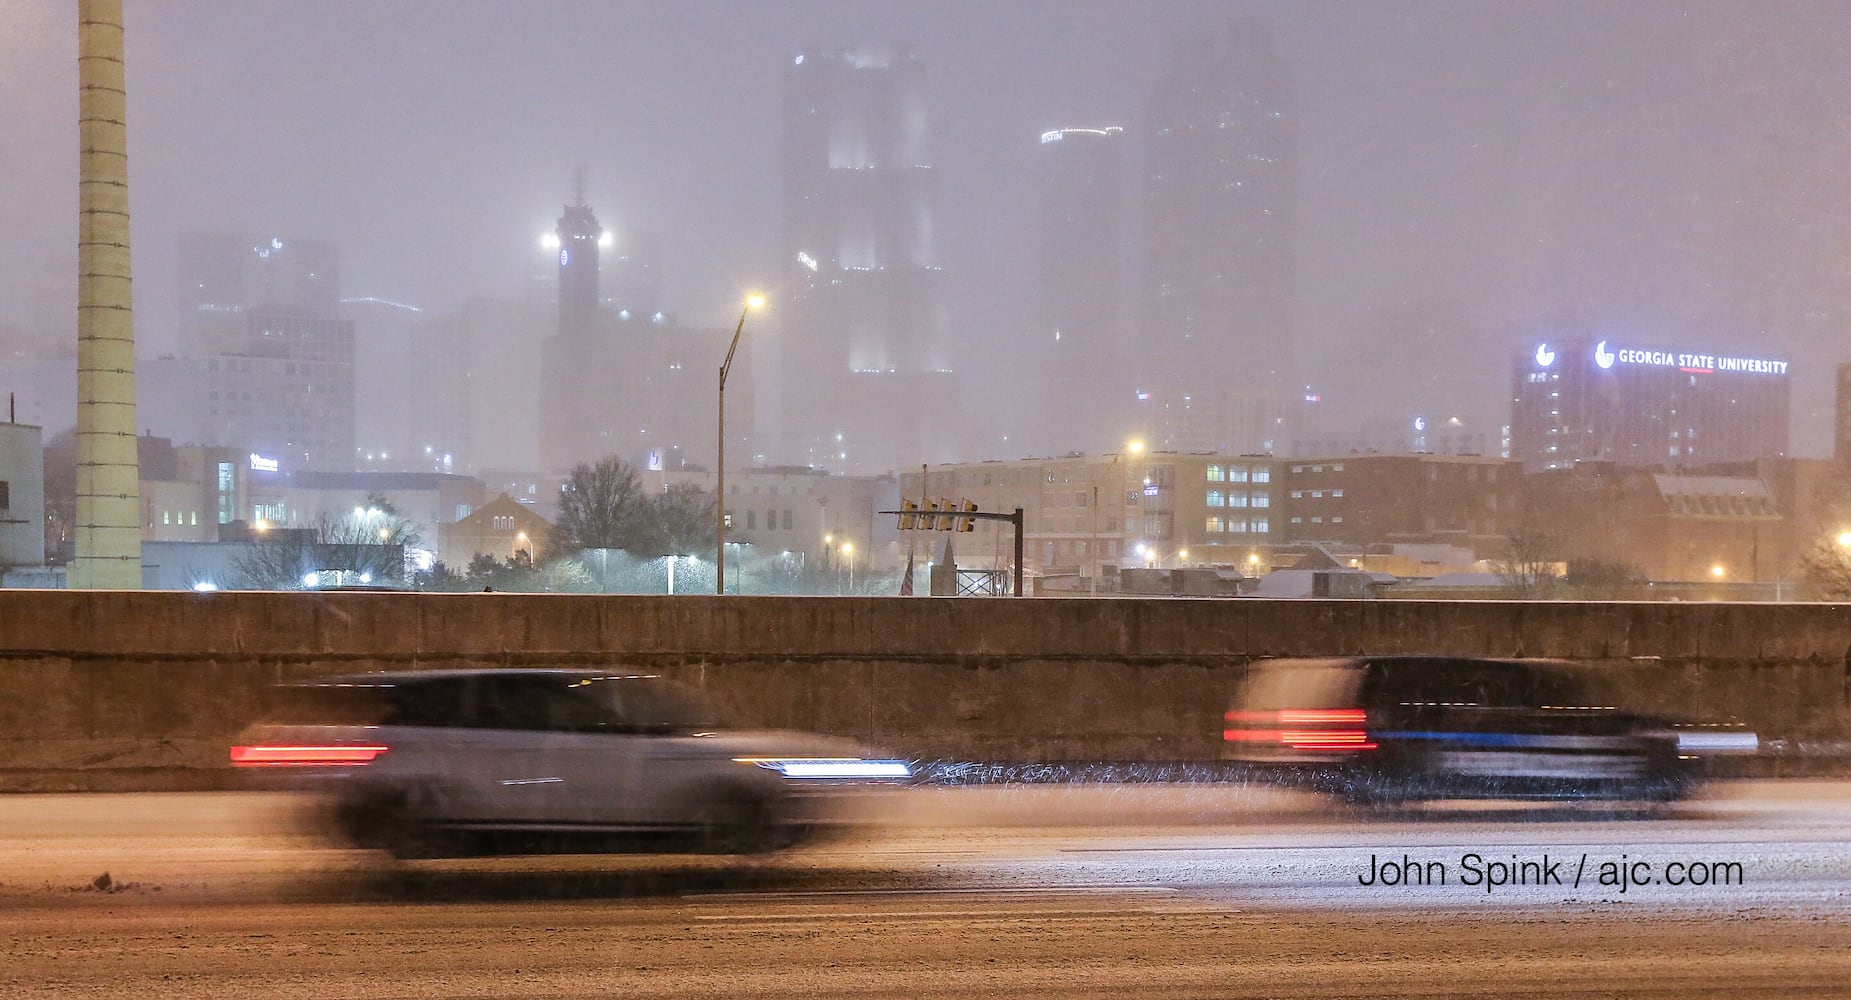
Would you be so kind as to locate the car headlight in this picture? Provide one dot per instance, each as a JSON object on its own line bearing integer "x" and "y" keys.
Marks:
{"x": 851, "y": 768}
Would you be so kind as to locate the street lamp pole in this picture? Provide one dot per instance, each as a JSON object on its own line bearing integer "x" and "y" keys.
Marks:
{"x": 719, "y": 482}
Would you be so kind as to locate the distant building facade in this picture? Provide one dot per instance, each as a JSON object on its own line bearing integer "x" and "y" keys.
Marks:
{"x": 501, "y": 529}
{"x": 863, "y": 364}
{"x": 263, "y": 321}
{"x": 22, "y": 495}
{"x": 1216, "y": 326}
{"x": 1644, "y": 406}
{"x": 1085, "y": 391}
{"x": 1668, "y": 526}
{"x": 1469, "y": 502}
{"x": 1090, "y": 515}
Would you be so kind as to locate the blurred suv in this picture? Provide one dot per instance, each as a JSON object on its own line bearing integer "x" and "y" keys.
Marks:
{"x": 460, "y": 762}
{"x": 1387, "y": 729}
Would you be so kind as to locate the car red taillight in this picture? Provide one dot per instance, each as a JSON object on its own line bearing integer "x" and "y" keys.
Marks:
{"x": 1301, "y": 728}
{"x": 306, "y": 755}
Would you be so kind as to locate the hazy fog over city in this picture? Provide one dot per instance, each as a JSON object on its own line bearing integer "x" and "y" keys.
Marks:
{"x": 1465, "y": 177}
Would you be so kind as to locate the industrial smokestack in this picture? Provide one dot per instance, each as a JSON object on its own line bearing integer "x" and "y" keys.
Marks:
{"x": 108, "y": 525}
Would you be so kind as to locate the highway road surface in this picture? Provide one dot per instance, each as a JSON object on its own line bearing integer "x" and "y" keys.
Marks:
{"x": 1023, "y": 891}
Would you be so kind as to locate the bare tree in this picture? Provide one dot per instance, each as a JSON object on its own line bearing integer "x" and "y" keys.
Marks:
{"x": 678, "y": 522}
{"x": 601, "y": 507}
{"x": 1525, "y": 568}
{"x": 1827, "y": 566}
{"x": 1594, "y": 578}
{"x": 364, "y": 546}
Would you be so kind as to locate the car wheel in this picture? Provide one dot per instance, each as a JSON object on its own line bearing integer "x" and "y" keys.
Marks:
{"x": 387, "y": 818}
{"x": 736, "y": 821}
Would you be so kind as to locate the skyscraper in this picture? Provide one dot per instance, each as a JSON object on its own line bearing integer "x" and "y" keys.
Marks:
{"x": 271, "y": 347}
{"x": 575, "y": 361}
{"x": 1085, "y": 398}
{"x": 614, "y": 381}
{"x": 1220, "y": 227}
{"x": 863, "y": 363}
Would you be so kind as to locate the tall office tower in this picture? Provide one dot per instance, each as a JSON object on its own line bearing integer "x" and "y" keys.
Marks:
{"x": 615, "y": 381}
{"x": 222, "y": 277}
{"x": 572, "y": 366}
{"x": 865, "y": 376}
{"x": 633, "y": 274}
{"x": 1085, "y": 396}
{"x": 264, "y": 320}
{"x": 1220, "y": 227}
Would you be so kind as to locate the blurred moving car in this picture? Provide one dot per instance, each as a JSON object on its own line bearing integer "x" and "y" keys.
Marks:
{"x": 1389, "y": 729}
{"x": 460, "y": 762}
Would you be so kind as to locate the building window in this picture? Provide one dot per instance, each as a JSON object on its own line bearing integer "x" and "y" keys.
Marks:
{"x": 6, "y": 499}
{"x": 227, "y": 489}
{"x": 1214, "y": 498}
{"x": 1215, "y": 475}
{"x": 1337, "y": 467}
{"x": 1297, "y": 469}
{"x": 751, "y": 519}
{"x": 1317, "y": 520}
{"x": 1262, "y": 475}
{"x": 1298, "y": 494}
{"x": 1260, "y": 524}
{"x": 1336, "y": 520}
{"x": 1298, "y": 520}
{"x": 787, "y": 520}
{"x": 771, "y": 520}
{"x": 1336, "y": 494}
{"x": 1214, "y": 524}
{"x": 1317, "y": 494}
{"x": 1262, "y": 500}
{"x": 1237, "y": 473}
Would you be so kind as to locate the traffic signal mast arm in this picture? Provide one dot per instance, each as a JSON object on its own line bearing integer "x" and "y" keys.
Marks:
{"x": 934, "y": 512}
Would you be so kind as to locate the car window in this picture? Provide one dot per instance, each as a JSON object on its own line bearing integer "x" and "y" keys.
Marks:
{"x": 1450, "y": 682}
{"x": 649, "y": 703}
{"x": 541, "y": 702}
{"x": 1301, "y": 685}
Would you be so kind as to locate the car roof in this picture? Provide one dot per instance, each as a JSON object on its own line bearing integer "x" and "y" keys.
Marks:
{"x": 394, "y": 677}
{"x": 1363, "y": 662}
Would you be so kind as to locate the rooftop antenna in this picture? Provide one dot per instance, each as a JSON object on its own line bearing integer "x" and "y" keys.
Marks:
{"x": 578, "y": 186}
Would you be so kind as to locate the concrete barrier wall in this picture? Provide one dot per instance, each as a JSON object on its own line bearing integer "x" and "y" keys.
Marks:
{"x": 146, "y": 689}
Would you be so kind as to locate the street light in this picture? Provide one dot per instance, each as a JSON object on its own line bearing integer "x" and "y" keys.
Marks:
{"x": 753, "y": 301}
{"x": 1092, "y": 551}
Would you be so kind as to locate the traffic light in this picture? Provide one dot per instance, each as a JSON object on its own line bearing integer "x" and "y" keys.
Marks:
{"x": 944, "y": 508}
{"x": 968, "y": 523}
{"x": 908, "y": 519}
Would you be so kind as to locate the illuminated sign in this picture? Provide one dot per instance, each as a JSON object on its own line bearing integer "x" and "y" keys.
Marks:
{"x": 1420, "y": 423}
{"x": 1047, "y": 137}
{"x": 262, "y": 464}
{"x": 564, "y": 256}
{"x": 655, "y": 460}
{"x": 1686, "y": 361}
{"x": 1544, "y": 356}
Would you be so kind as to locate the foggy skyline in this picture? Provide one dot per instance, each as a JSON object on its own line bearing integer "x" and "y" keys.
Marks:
{"x": 1675, "y": 173}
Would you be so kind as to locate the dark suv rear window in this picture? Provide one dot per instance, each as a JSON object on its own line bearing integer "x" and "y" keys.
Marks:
{"x": 435, "y": 702}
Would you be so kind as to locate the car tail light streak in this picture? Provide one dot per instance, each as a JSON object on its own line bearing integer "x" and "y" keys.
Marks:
{"x": 307, "y": 755}
{"x": 1301, "y": 728}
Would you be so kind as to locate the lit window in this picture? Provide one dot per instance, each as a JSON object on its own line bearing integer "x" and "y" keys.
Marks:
{"x": 1214, "y": 474}
{"x": 1214, "y": 524}
{"x": 1261, "y": 524}
{"x": 1298, "y": 494}
{"x": 1214, "y": 498}
{"x": 1237, "y": 473}
{"x": 1262, "y": 475}
{"x": 1336, "y": 494}
{"x": 1337, "y": 468}
{"x": 1237, "y": 499}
